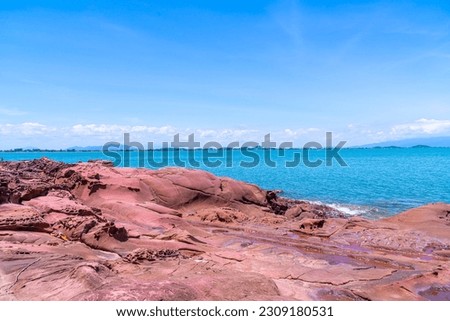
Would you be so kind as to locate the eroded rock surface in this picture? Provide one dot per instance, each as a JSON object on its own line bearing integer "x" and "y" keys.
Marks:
{"x": 90, "y": 231}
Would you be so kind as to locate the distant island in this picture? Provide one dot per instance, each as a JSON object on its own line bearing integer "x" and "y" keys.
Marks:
{"x": 412, "y": 143}
{"x": 424, "y": 142}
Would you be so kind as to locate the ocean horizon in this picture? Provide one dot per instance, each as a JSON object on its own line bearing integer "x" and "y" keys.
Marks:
{"x": 376, "y": 183}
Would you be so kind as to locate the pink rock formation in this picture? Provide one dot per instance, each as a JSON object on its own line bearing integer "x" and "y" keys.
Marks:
{"x": 94, "y": 232}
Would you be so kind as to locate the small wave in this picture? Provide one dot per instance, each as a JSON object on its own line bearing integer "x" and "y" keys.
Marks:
{"x": 351, "y": 210}
{"x": 354, "y": 210}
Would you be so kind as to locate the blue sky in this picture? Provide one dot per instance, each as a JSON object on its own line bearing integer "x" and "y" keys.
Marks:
{"x": 84, "y": 72}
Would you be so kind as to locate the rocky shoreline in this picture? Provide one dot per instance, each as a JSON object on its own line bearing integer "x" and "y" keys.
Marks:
{"x": 89, "y": 231}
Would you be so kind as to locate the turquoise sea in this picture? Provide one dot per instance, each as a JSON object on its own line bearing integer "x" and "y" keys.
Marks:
{"x": 376, "y": 182}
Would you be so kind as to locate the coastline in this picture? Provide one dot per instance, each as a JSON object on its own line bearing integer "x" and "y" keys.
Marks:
{"x": 369, "y": 186}
{"x": 109, "y": 233}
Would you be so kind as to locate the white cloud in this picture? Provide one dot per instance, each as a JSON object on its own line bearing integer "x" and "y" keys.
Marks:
{"x": 95, "y": 134}
{"x": 222, "y": 135}
{"x": 167, "y": 130}
{"x": 25, "y": 129}
{"x": 236, "y": 134}
{"x": 422, "y": 126}
{"x": 105, "y": 130}
{"x": 94, "y": 130}
{"x": 206, "y": 132}
{"x": 295, "y": 133}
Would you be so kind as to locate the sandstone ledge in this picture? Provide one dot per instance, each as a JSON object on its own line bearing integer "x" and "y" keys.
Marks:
{"x": 89, "y": 231}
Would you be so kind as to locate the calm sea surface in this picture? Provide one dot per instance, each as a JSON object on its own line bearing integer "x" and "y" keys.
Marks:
{"x": 376, "y": 182}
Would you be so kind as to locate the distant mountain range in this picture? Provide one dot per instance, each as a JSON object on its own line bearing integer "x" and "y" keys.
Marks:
{"x": 96, "y": 148}
{"x": 404, "y": 143}
{"x": 443, "y": 141}
{"x": 413, "y": 142}
{"x": 85, "y": 148}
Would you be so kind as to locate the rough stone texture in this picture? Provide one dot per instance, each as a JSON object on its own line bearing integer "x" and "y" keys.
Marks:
{"x": 90, "y": 231}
